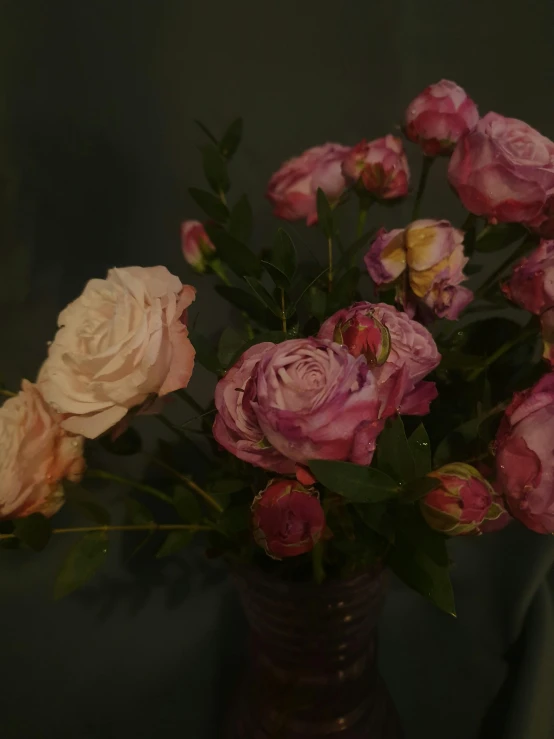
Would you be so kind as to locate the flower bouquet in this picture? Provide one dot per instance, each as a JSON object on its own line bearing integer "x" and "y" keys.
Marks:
{"x": 360, "y": 417}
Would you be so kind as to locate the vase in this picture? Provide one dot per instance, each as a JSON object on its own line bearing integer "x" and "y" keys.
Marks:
{"x": 312, "y": 669}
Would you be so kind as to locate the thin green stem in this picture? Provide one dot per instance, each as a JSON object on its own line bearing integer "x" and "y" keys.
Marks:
{"x": 219, "y": 270}
{"x": 103, "y": 475}
{"x": 525, "y": 334}
{"x": 189, "y": 483}
{"x": 362, "y": 216}
{"x": 283, "y": 314}
{"x": 330, "y": 256}
{"x": 425, "y": 169}
{"x": 131, "y": 527}
{"x": 222, "y": 197}
{"x": 7, "y": 393}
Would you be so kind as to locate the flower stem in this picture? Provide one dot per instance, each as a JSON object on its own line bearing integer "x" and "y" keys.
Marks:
{"x": 425, "y": 168}
{"x": 525, "y": 334}
{"x": 365, "y": 205}
{"x": 222, "y": 197}
{"x": 189, "y": 483}
{"x": 7, "y": 393}
{"x": 283, "y": 315}
{"x": 219, "y": 270}
{"x": 131, "y": 527}
{"x": 330, "y": 254}
{"x": 492, "y": 280}
{"x": 103, "y": 475}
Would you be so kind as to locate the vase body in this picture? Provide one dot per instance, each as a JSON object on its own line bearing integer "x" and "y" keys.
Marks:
{"x": 312, "y": 668}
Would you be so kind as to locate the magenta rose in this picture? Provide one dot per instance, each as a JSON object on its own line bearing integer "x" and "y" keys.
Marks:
{"x": 292, "y": 189}
{"x": 287, "y": 519}
{"x": 439, "y": 116}
{"x": 432, "y": 252}
{"x": 463, "y": 502}
{"x": 524, "y": 457}
{"x": 314, "y": 400}
{"x": 196, "y": 245}
{"x": 380, "y": 166}
{"x": 406, "y": 347}
{"x": 236, "y": 426}
{"x": 504, "y": 170}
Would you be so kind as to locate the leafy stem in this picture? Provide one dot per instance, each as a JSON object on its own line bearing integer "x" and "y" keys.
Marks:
{"x": 330, "y": 256}
{"x": 189, "y": 483}
{"x": 425, "y": 169}
{"x": 130, "y": 527}
{"x": 103, "y": 475}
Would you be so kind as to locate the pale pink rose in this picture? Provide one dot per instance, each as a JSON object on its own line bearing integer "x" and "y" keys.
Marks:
{"x": 439, "y": 116}
{"x": 406, "y": 345}
{"x": 432, "y": 252}
{"x": 287, "y": 519}
{"x": 293, "y": 188}
{"x": 462, "y": 503}
{"x": 36, "y": 454}
{"x": 524, "y": 458}
{"x": 196, "y": 245}
{"x": 236, "y": 426}
{"x": 314, "y": 400}
{"x": 504, "y": 170}
{"x": 380, "y": 166}
{"x": 122, "y": 340}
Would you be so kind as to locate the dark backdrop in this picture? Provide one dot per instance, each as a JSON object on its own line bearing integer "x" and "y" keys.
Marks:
{"x": 97, "y": 149}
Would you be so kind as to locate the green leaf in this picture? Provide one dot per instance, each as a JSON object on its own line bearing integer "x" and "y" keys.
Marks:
{"x": 83, "y": 561}
{"x": 215, "y": 169}
{"x": 230, "y": 343}
{"x": 205, "y": 130}
{"x": 210, "y": 204}
{"x": 226, "y": 486}
{"x": 316, "y": 302}
{"x": 458, "y": 443}
{"x": 33, "y": 530}
{"x": 345, "y": 288}
{"x": 248, "y": 303}
{"x": 317, "y": 563}
{"x": 85, "y": 502}
{"x": 187, "y": 505}
{"x": 125, "y": 444}
{"x": 347, "y": 259}
{"x": 412, "y": 528}
{"x": 240, "y": 225}
{"x": 174, "y": 542}
{"x": 324, "y": 213}
{"x": 283, "y": 254}
{"x": 137, "y": 513}
{"x": 498, "y": 237}
{"x": 420, "y": 447}
{"x": 275, "y": 337}
{"x": 377, "y": 518}
{"x": 394, "y": 456}
{"x": 310, "y": 285}
{"x": 235, "y": 519}
{"x": 264, "y": 296}
{"x": 355, "y": 483}
{"x": 234, "y": 253}
{"x": 418, "y": 489}
{"x": 231, "y": 138}
{"x": 205, "y": 353}
{"x": 279, "y": 278}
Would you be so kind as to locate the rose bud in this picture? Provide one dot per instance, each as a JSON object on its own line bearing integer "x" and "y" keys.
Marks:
{"x": 36, "y": 454}
{"x": 439, "y": 116}
{"x": 287, "y": 519}
{"x": 380, "y": 166}
{"x": 196, "y": 245}
{"x": 393, "y": 344}
{"x": 524, "y": 458}
{"x": 504, "y": 170}
{"x": 293, "y": 188}
{"x": 462, "y": 503}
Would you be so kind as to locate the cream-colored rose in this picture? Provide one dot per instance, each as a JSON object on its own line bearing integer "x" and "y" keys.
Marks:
{"x": 35, "y": 455}
{"x": 124, "y": 339}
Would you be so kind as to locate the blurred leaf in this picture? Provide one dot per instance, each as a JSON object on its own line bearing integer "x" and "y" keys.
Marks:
{"x": 174, "y": 542}
{"x": 460, "y": 360}
{"x": 472, "y": 269}
{"x": 316, "y": 302}
{"x": 283, "y": 254}
{"x": 345, "y": 288}
{"x": 230, "y": 342}
{"x": 493, "y": 238}
{"x": 412, "y": 527}
{"x": 235, "y": 519}
{"x": 394, "y": 456}
{"x": 310, "y": 285}
{"x": 234, "y": 253}
{"x": 210, "y": 204}
{"x": 226, "y": 486}
{"x": 418, "y": 489}
{"x": 83, "y": 561}
{"x": 87, "y": 503}
{"x": 317, "y": 563}
{"x": 324, "y": 213}
{"x": 457, "y": 445}
{"x": 377, "y": 517}
{"x": 33, "y": 530}
{"x": 265, "y": 297}
{"x": 347, "y": 259}
{"x": 231, "y": 138}
{"x": 187, "y": 505}
{"x": 215, "y": 169}
{"x": 279, "y": 278}
{"x": 240, "y": 225}
{"x": 420, "y": 447}
{"x": 137, "y": 513}
{"x": 127, "y": 443}
{"x": 248, "y": 303}
{"x": 355, "y": 483}
{"x": 205, "y": 353}
{"x": 207, "y": 132}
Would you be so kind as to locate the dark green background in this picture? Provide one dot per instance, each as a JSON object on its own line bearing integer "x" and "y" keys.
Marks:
{"x": 97, "y": 148}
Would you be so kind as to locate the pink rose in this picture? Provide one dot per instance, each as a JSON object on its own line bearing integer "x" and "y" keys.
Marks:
{"x": 196, "y": 245}
{"x": 524, "y": 458}
{"x": 504, "y": 170}
{"x": 410, "y": 349}
{"x": 287, "y": 519}
{"x": 36, "y": 454}
{"x": 463, "y": 502}
{"x": 381, "y": 167}
{"x": 292, "y": 189}
{"x": 433, "y": 254}
{"x": 122, "y": 340}
{"x": 439, "y": 116}
{"x": 547, "y": 329}
{"x": 314, "y": 400}
{"x": 236, "y": 426}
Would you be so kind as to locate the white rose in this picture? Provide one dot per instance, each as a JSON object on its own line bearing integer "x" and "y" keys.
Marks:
{"x": 122, "y": 340}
